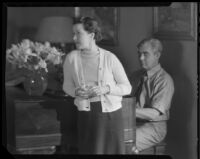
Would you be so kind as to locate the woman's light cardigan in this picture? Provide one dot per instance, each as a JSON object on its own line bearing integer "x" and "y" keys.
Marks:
{"x": 110, "y": 72}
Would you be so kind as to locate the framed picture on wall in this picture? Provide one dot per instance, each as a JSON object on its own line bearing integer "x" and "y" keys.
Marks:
{"x": 177, "y": 21}
{"x": 108, "y": 18}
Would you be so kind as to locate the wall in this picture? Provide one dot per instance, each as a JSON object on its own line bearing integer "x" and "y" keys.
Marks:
{"x": 135, "y": 24}
{"x": 31, "y": 16}
{"x": 179, "y": 59}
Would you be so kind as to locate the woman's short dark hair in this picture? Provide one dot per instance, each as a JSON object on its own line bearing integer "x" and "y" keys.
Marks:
{"x": 90, "y": 25}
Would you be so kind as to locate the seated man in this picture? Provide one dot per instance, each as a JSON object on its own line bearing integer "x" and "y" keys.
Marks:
{"x": 153, "y": 96}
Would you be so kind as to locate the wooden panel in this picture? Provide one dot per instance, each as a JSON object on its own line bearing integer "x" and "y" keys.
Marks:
{"x": 33, "y": 119}
{"x": 37, "y": 150}
{"x": 128, "y": 110}
{"x": 37, "y": 128}
{"x": 31, "y": 141}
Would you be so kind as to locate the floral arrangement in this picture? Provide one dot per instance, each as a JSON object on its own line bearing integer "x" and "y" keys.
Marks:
{"x": 33, "y": 55}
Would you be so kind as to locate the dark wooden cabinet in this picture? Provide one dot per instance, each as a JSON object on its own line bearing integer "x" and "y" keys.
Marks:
{"x": 36, "y": 127}
{"x": 36, "y": 124}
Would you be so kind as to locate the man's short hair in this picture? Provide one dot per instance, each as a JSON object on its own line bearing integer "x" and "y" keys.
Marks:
{"x": 155, "y": 44}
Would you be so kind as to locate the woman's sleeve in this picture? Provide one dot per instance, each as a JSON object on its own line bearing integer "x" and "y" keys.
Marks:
{"x": 122, "y": 86}
{"x": 68, "y": 83}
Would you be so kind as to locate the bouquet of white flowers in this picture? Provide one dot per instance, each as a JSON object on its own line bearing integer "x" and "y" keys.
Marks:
{"x": 33, "y": 56}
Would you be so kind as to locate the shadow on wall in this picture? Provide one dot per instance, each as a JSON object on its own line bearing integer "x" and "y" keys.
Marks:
{"x": 178, "y": 137}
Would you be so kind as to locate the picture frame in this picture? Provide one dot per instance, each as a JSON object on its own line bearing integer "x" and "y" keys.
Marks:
{"x": 108, "y": 19}
{"x": 176, "y": 22}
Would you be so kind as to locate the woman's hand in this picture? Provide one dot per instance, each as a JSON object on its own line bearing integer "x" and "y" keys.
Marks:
{"x": 81, "y": 92}
{"x": 99, "y": 90}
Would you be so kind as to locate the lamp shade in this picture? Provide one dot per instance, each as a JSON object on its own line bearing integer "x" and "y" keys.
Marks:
{"x": 55, "y": 29}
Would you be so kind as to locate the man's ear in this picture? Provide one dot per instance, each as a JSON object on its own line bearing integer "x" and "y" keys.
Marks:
{"x": 157, "y": 54}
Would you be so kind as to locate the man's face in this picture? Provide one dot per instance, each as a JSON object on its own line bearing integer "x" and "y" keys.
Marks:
{"x": 148, "y": 57}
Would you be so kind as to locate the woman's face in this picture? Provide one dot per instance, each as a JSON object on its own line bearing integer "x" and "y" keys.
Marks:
{"x": 81, "y": 37}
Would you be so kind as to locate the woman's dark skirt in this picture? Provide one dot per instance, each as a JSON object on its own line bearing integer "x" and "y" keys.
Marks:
{"x": 100, "y": 133}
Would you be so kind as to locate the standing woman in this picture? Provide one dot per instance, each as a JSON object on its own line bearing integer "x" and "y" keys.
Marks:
{"x": 97, "y": 80}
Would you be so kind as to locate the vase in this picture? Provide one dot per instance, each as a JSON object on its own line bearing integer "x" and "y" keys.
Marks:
{"x": 36, "y": 83}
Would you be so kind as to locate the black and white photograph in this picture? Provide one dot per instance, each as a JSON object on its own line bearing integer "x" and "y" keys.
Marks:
{"x": 101, "y": 80}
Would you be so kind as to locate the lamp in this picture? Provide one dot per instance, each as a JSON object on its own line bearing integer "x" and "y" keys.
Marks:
{"x": 56, "y": 30}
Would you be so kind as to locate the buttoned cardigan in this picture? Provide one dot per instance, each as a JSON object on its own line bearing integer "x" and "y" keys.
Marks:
{"x": 110, "y": 72}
